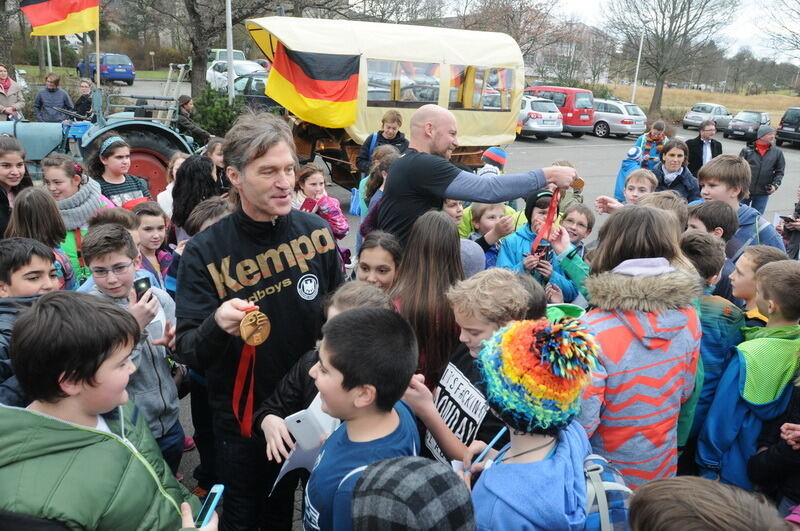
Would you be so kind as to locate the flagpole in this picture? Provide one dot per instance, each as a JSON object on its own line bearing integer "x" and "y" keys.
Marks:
{"x": 49, "y": 57}
{"x": 97, "y": 56}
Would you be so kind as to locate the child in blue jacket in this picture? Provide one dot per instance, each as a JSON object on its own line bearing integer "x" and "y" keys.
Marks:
{"x": 756, "y": 386}
{"x": 515, "y": 253}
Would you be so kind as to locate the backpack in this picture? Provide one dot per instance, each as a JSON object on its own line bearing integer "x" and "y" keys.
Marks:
{"x": 607, "y": 496}
{"x": 355, "y": 194}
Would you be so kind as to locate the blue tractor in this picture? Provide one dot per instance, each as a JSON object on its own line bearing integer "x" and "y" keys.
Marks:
{"x": 148, "y": 129}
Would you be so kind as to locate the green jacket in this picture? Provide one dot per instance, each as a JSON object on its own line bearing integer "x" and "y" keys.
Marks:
{"x": 575, "y": 268}
{"x": 85, "y": 478}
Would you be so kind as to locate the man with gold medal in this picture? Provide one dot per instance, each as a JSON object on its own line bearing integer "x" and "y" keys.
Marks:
{"x": 249, "y": 304}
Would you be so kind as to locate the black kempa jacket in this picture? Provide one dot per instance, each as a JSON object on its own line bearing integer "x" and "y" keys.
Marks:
{"x": 285, "y": 268}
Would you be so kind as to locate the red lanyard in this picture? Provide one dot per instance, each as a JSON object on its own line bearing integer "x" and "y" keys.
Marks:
{"x": 247, "y": 364}
{"x": 548, "y": 222}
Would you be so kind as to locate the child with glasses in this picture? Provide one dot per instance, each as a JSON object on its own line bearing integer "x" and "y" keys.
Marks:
{"x": 111, "y": 255}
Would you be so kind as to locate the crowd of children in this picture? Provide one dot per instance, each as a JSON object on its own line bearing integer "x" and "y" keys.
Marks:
{"x": 476, "y": 365}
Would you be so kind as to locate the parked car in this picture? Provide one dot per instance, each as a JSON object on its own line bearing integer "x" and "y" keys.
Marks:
{"x": 575, "y": 105}
{"x": 113, "y": 67}
{"x": 221, "y": 54}
{"x": 20, "y": 78}
{"x": 217, "y": 73}
{"x": 540, "y": 118}
{"x": 253, "y": 88}
{"x": 745, "y": 125}
{"x": 789, "y": 127}
{"x": 618, "y": 118}
{"x": 700, "y": 112}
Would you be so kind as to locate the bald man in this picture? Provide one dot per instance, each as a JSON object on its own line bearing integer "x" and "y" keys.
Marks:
{"x": 424, "y": 176}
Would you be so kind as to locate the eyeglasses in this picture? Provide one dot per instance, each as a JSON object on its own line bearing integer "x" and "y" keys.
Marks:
{"x": 117, "y": 270}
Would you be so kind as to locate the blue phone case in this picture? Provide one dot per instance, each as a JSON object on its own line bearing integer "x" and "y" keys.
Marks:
{"x": 207, "y": 510}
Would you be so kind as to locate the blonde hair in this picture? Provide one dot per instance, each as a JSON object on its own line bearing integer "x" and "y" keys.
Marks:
{"x": 392, "y": 117}
{"x": 479, "y": 209}
{"x": 645, "y": 175}
{"x": 671, "y": 202}
{"x": 178, "y": 155}
{"x": 494, "y": 295}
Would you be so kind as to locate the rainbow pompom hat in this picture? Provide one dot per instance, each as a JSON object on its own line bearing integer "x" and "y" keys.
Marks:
{"x": 533, "y": 372}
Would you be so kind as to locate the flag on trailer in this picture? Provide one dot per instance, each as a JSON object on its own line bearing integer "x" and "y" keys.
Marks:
{"x": 61, "y": 17}
{"x": 316, "y": 87}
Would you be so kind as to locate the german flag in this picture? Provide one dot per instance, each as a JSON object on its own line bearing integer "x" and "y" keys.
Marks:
{"x": 61, "y": 17}
{"x": 320, "y": 88}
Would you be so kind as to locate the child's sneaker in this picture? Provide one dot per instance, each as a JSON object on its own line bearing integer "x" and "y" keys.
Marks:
{"x": 188, "y": 444}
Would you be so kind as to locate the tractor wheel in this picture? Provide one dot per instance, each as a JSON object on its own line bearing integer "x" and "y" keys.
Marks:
{"x": 150, "y": 154}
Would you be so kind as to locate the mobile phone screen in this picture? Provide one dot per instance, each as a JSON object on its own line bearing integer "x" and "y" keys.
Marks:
{"x": 212, "y": 499}
{"x": 140, "y": 286}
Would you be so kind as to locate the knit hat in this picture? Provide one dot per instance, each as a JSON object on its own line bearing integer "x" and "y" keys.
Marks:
{"x": 532, "y": 199}
{"x": 496, "y": 156}
{"x": 473, "y": 259}
{"x": 634, "y": 153}
{"x": 533, "y": 373}
{"x": 411, "y": 493}
{"x": 183, "y": 99}
{"x": 764, "y": 130}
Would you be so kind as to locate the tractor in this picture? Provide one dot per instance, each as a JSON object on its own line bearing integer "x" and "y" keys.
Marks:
{"x": 148, "y": 129}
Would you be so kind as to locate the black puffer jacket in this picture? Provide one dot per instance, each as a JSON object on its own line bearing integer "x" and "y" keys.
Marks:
{"x": 294, "y": 392}
{"x": 10, "y": 308}
{"x": 765, "y": 170}
{"x": 364, "y": 156}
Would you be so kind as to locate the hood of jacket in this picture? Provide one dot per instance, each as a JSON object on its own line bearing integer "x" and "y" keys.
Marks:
{"x": 10, "y": 308}
{"x": 747, "y": 215}
{"x": 547, "y": 494}
{"x": 643, "y": 293}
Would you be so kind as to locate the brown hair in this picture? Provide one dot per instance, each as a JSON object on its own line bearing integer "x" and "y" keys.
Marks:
{"x": 675, "y": 144}
{"x": 116, "y": 216}
{"x": 9, "y": 144}
{"x": 431, "y": 265}
{"x": 761, "y": 255}
{"x": 779, "y": 282}
{"x": 210, "y": 209}
{"x": 671, "y": 201}
{"x": 645, "y": 175}
{"x": 178, "y": 155}
{"x": 212, "y": 144}
{"x": 384, "y": 240}
{"x": 690, "y": 503}
{"x": 730, "y": 170}
{"x": 705, "y": 251}
{"x": 35, "y": 215}
{"x": 252, "y": 136}
{"x": 581, "y": 209}
{"x": 306, "y": 171}
{"x": 479, "y": 209}
{"x": 538, "y": 299}
{"x": 494, "y": 295}
{"x": 636, "y": 231}
{"x": 148, "y": 208}
{"x": 659, "y": 125}
{"x": 358, "y": 294}
{"x": 107, "y": 239}
{"x": 392, "y": 117}
{"x": 65, "y": 163}
{"x": 715, "y": 214}
{"x": 52, "y": 76}
{"x": 564, "y": 163}
{"x": 381, "y": 162}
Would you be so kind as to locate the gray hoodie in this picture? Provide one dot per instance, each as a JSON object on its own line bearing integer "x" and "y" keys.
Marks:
{"x": 151, "y": 387}
{"x": 45, "y": 101}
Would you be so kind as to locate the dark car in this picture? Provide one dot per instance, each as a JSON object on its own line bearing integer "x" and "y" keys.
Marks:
{"x": 789, "y": 128}
{"x": 252, "y": 87}
{"x": 745, "y": 125}
{"x": 113, "y": 67}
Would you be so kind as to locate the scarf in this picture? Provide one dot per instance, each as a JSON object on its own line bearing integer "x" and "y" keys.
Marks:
{"x": 77, "y": 210}
{"x": 6, "y": 84}
{"x": 669, "y": 178}
{"x": 648, "y": 145}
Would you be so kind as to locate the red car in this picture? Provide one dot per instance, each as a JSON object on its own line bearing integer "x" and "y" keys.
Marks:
{"x": 576, "y": 106}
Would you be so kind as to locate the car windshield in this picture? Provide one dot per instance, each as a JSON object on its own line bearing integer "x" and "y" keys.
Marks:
{"x": 117, "y": 60}
{"x": 583, "y": 100}
{"x": 246, "y": 68}
{"x": 792, "y": 116}
{"x": 634, "y": 110}
{"x": 544, "y": 106}
{"x": 749, "y": 116}
{"x": 702, "y": 107}
{"x": 240, "y": 84}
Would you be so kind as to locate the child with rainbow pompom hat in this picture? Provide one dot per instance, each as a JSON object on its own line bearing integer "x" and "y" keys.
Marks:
{"x": 533, "y": 375}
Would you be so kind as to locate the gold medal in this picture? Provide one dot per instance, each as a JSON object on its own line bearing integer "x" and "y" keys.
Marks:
{"x": 255, "y": 328}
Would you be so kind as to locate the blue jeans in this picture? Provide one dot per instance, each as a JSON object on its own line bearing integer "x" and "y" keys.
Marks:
{"x": 171, "y": 446}
{"x": 243, "y": 468}
{"x": 759, "y": 202}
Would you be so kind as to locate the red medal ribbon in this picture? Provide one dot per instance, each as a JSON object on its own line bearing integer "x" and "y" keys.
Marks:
{"x": 247, "y": 364}
{"x": 548, "y": 222}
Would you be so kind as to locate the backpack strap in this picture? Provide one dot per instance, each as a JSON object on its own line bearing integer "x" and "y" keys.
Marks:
{"x": 593, "y": 470}
{"x": 372, "y": 144}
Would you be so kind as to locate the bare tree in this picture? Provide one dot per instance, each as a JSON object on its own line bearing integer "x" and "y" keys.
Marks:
{"x": 599, "y": 51}
{"x": 7, "y": 9}
{"x": 784, "y": 26}
{"x": 676, "y": 33}
{"x": 529, "y": 22}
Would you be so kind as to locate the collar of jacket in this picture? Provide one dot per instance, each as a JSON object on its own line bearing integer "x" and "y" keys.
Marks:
{"x": 652, "y": 293}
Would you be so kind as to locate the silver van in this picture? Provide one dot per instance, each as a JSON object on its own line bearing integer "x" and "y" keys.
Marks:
{"x": 620, "y": 118}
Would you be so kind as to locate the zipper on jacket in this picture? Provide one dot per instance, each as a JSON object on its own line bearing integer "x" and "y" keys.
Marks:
{"x": 160, "y": 392}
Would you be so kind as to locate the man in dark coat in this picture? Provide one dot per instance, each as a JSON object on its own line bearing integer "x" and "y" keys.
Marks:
{"x": 703, "y": 147}
{"x": 766, "y": 168}
{"x": 185, "y": 123}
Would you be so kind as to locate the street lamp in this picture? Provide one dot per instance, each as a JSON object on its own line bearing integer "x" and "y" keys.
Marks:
{"x": 153, "y": 60}
{"x": 636, "y": 74}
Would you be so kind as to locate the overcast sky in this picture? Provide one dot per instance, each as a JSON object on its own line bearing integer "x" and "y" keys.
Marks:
{"x": 742, "y": 31}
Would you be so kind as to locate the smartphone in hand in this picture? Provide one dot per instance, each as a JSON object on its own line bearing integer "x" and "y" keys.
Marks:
{"x": 140, "y": 286}
{"x": 207, "y": 510}
{"x": 308, "y": 205}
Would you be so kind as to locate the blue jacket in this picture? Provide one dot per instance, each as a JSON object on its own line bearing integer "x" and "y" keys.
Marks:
{"x": 684, "y": 184}
{"x": 751, "y": 234}
{"x": 46, "y": 100}
{"x": 548, "y": 495}
{"x": 517, "y": 246}
{"x": 755, "y": 387}
{"x": 628, "y": 166}
{"x": 721, "y": 322}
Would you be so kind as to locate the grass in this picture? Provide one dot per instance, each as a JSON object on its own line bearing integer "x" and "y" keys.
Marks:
{"x": 33, "y": 75}
{"x": 675, "y": 102}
